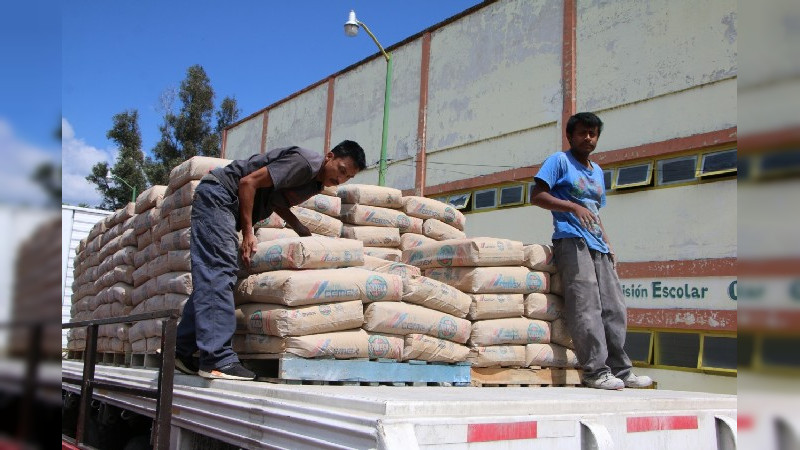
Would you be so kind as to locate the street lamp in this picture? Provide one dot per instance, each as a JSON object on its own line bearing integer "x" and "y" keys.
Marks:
{"x": 351, "y": 29}
{"x": 110, "y": 176}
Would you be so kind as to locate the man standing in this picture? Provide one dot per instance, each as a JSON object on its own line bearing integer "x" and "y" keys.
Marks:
{"x": 233, "y": 198}
{"x": 571, "y": 186}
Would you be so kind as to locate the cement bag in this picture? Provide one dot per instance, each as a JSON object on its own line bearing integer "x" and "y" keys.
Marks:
{"x": 160, "y": 229}
{"x": 473, "y": 252}
{"x": 121, "y": 293}
{"x": 257, "y": 343}
{"x": 436, "y": 229}
{"x": 271, "y": 234}
{"x": 120, "y": 274}
{"x": 144, "y": 239}
{"x": 193, "y": 168}
{"x": 559, "y": 334}
{"x": 278, "y": 320}
{"x": 539, "y": 257}
{"x": 139, "y": 347}
{"x": 373, "y": 236}
{"x": 102, "y": 312}
{"x": 414, "y": 225}
{"x": 374, "y": 216}
{"x": 149, "y": 198}
{"x": 128, "y": 238}
{"x": 153, "y": 345}
{"x": 174, "y": 282}
{"x": 497, "y": 355}
{"x": 156, "y": 267}
{"x": 318, "y": 223}
{"x": 329, "y": 190}
{"x": 556, "y": 285}
{"x": 324, "y": 204}
{"x": 379, "y": 265}
{"x": 386, "y": 253}
{"x": 119, "y": 310}
{"x": 144, "y": 221}
{"x": 273, "y": 221}
{"x": 413, "y": 240}
{"x": 141, "y": 274}
{"x": 310, "y": 287}
{"x": 550, "y": 355}
{"x": 492, "y": 280}
{"x": 367, "y": 194}
{"x": 110, "y": 248}
{"x": 180, "y": 218}
{"x": 385, "y": 346}
{"x": 117, "y": 345}
{"x": 428, "y": 348}
{"x": 436, "y": 295}
{"x": 176, "y": 240}
{"x": 144, "y": 291}
{"x": 428, "y": 208}
{"x": 149, "y": 253}
{"x": 543, "y": 306}
{"x": 496, "y": 306}
{"x": 145, "y": 329}
{"x": 403, "y": 319}
{"x": 175, "y": 301}
{"x": 518, "y": 330}
{"x": 340, "y": 345}
{"x": 123, "y": 256}
{"x": 307, "y": 253}
{"x": 123, "y": 214}
{"x": 181, "y": 197}
{"x": 179, "y": 261}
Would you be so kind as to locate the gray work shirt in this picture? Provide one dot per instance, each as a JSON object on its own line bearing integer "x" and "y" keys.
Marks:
{"x": 293, "y": 170}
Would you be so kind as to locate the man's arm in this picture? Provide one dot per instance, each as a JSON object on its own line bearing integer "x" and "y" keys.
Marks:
{"x": 608, "y": 243}
{"x": 247, "y": 193}
{"x": 291, "y": 220}
{"x": 541, "y": 197}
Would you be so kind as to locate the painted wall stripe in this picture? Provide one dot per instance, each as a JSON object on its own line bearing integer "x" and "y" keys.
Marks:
{"x": 485, "y": 432}
{"x": 422, "y": 117}
{"x": 683, "y": 319}
{"x": 661, "y": 423}
{"x": 720, "y": 267}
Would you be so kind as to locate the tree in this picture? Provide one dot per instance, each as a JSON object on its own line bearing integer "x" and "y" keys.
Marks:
{"x": 128, "y": 167}
{"x": 227, "y": 114}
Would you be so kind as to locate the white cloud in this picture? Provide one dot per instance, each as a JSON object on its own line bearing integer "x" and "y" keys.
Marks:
{"x": 20, "y": 159}
{"x": 78, "y": 158}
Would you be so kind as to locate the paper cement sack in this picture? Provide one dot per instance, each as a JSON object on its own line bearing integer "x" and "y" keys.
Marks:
{"x": 402, "y": 318}
{"x": 385, "y": 346}
{"x": 273, "y": 221}
{"x": 278, "y": 320}
{"x": 436, "y": 295}
{"x": 496, "y": 306}
{"x": 389, "y": 254}
{"x": 550, "y": 355}
{"x": 193, "y": 168}
{"x": 176, "y": 240}
{"x": 428, "y": 348}
{"x": 543, "y": 306}
{"x": 356, "y": 214}
{"x": 271, "y": 234}
{"x": 556, "y": 285}
{"x": 309, "y": 287}
{"x": 307, "y": 253}
{"x": 379, "y": 265}
{"x": 366, "y": 194}
{"x": 373, "y": 236}
{"x": 539, "y": 257}
{"x": 414, "y": 240}
{"x": 329, "y": 190}
{"x": 414, "y": 226}
{"x": 340, "y": 345}
{"x": 436, "y": 229}
{"x": 497, "y": 355}
{"x": 145, "y": 221}
{"x": 174, "y": 282}
{"x": 473, "y": 252}
{"x": 559, "y": 334}
{"x": 324, "y": 204}
{"x": 149, "y": 198}
{"x": 183, "y": 196}
{"x": 518, "y": 330}
{"x": 318, "y": 223}
{"x": 257, "y": 343}
{"x": 492, "y": 280}
{"x": 180, "y": 218}
{"x": 428, "y": 208}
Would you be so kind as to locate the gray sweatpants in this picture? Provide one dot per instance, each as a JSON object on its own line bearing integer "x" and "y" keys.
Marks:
{"x": 595, "y": 307}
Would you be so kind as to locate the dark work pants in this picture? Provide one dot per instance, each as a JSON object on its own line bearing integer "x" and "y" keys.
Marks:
{"x": 209, "y": 319}
{"x": 595, "y": 308}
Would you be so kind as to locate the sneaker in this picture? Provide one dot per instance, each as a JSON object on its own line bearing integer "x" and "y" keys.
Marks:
{"x": 633, "y": 381}
{"x": 604, "y": 381}
{"x": 232, "y": 371}
{"x": 187, "y": 364}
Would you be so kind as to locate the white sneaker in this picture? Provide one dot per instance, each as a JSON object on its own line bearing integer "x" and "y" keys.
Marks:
{"x": 633, "y": 381}
{"x": 604, "y": 381}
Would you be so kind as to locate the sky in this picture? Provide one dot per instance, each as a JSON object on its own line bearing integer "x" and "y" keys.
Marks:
{"x": 84, "y": 61}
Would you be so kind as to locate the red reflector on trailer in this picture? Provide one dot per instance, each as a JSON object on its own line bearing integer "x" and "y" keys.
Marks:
{"x": 657, "y": 423}
{"x": 483, "y": 432}
{"x": 744, "y": 422}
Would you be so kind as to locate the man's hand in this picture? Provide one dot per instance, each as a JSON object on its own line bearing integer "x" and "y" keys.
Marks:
{"x": 586, "y": 217}
{"x": 613, "y": 257}
{"x": 249, "y": 246}
{"x": 301, "y": 229}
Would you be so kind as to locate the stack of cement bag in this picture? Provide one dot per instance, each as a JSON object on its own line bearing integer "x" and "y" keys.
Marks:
{"x": 371, "y": 215}
{"x": 306, "y": 295}
{"x": 319, "y": 214}
{"x": 85, "y": 273}
{"x": 441, "y": 221}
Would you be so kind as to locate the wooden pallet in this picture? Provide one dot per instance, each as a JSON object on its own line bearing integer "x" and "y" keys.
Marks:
{"x": 75, "y": 354}
{"x": 114, "y": 359}
{"x": 291, "y": 369}
{"x": 145, "y": 360}
{"x": 513, "y": 377}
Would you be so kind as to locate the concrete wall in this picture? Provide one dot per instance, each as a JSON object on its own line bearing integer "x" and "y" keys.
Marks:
{"x": 244, "y": 139}
{"x": 300, "y": 121}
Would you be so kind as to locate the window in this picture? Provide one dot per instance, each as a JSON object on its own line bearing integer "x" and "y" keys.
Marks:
{"x": 719, "y": 352}
{"x": 780, "y": 351}
{"x": 459, "y": 201}
{"x": 631, "y": 176}
{"x": 608, "y": 177}
{"x": 638, "y": 346}
{"x": 677, "y": 349}
{"x": 441, "y": 199}
{"x": 716, "y": 163}
{"x": 780, "y": 163}
{"x": 485, "y": 199}
{"x": 677, "y": 170}
{"x": 512, "y": 195}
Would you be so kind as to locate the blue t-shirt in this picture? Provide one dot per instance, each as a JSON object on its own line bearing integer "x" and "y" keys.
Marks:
{"x": 570, "y": 180}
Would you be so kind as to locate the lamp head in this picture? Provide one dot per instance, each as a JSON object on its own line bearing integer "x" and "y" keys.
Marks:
{"x": 351, "y": 26}
{"x": 109, "y": 177}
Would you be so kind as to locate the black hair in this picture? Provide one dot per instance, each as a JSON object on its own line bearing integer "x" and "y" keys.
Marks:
{"x": 351, "y": 149}
{"x": 589, "y": 120}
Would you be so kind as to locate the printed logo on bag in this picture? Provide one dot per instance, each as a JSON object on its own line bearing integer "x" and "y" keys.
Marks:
{"x": 326, "y": 289}
{"x": 533, "y": 281}
{"x": 322, "y": 202}
{"x": 445, "y": 255}
{"x": 256, "y": 322}
{"x": 505, "y": 283}
{"x": 376, "y": 287}
{"x": 348, "y": 256}
{"x": 447, "y": 328}
{"x": 536, "y": 332}
{"x": 500, "y": 246}
{"x": 403, "y": 221}
{"x": 273, "y": 256}
{"x": 416, "y": 257}
{"x": 449, "y": 215}
{"x": 325, "y": 310}
{"x": 378, "y": 346}
{"x": 370, "y": 218}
